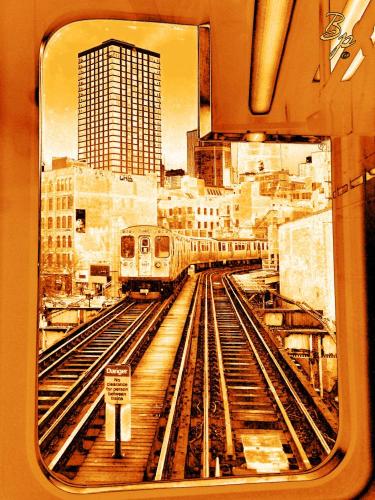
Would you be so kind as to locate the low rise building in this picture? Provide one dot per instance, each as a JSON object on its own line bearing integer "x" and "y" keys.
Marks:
{"x": 306, "y": 261}
{"x": 306, "y": 271}
{"x": 195, "y": 210}
{"x": 83, "y": 211}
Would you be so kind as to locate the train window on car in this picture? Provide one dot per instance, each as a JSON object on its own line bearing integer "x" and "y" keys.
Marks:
{"x": 107, "y": 128}
{"x": 162, "y": 246}
{"x": 127, "y": 246}
{"x": 144, "y": 245}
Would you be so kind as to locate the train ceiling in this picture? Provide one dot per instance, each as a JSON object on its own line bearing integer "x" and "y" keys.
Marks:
{"x": 272, "y": 72}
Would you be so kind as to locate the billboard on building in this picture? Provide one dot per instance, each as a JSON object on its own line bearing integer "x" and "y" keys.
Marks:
{"x": 80, "y": 220}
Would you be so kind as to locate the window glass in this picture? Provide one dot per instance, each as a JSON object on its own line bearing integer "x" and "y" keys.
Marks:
{"x": 114, "y": 180}
{"x": 144, "y": 245}
{"x": 127, "y": 247}
{"x": 162, "y": 246}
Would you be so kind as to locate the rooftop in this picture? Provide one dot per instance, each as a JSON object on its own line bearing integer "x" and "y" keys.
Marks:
{"x": 118, "y": 43}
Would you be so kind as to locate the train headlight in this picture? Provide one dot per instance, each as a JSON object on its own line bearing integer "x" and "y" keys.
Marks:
{"x": 157, "y": 264}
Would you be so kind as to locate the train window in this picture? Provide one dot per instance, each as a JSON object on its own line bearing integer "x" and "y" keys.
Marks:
{"x": 144, "y": 245}
{"x": 106, "y": 126}
{"x": 295, "y": 209}
{"x": 265, "y": 186}
{"x": 127, "y": 246}
{"x": 162, "y": 246}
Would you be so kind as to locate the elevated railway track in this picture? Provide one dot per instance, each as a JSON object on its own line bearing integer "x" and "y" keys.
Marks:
{"x": 212, "y": 396}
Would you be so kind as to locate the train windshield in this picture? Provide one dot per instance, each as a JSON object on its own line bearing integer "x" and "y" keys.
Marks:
{"x": 127, "y": 247}
{"x": 162, "y": 246}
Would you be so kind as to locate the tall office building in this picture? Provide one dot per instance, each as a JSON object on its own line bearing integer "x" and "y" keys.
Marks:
{"x": 119, "y": 120}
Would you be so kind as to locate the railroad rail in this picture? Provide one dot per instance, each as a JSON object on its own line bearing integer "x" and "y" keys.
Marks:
{"x": 71, "y": 382}
{"x": 55, "y": 352}
{"x": 212, "y": 396}
{"x": 240, "y": 409}
{"x": 84, "y": 455}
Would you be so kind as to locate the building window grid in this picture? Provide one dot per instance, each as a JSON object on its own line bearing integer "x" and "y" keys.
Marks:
{"x": 142, "y": 102}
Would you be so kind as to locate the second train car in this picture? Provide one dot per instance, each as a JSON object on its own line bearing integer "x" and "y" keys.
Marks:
{"x": 154, "y": 259}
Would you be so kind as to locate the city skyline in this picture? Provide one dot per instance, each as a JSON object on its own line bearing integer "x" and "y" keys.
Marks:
{"x": 178, "y": 85}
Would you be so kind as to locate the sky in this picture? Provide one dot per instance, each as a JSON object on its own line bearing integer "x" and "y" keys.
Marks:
{"x": 178, "y": 50}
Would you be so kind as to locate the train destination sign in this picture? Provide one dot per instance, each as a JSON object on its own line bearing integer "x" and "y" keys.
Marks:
{"x": 117, "y": 384}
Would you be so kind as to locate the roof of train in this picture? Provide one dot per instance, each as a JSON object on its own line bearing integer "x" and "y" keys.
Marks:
{"x": 197, "y": 238}
{"x": 145, "y": 227}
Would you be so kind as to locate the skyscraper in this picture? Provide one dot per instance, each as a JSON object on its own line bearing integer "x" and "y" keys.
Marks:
{"x": 119, "y": 120}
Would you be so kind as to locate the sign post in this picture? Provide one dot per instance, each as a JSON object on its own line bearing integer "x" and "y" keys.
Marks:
{"x": 117, "y": 451}
{"x": 118, "y": 407}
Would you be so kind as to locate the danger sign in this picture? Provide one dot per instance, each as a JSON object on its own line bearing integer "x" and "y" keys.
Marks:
{"x": 117, "y": 384}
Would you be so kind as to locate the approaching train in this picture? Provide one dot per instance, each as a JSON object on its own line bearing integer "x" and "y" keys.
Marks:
{"x": 154, "y": 259}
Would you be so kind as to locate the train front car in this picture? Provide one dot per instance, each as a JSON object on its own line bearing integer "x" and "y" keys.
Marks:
{"x": 146, "y": 266}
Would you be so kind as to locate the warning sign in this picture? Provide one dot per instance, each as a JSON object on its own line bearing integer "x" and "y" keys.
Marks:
{"x": 117, "y": 392}
{"x": 117, "y": 384}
